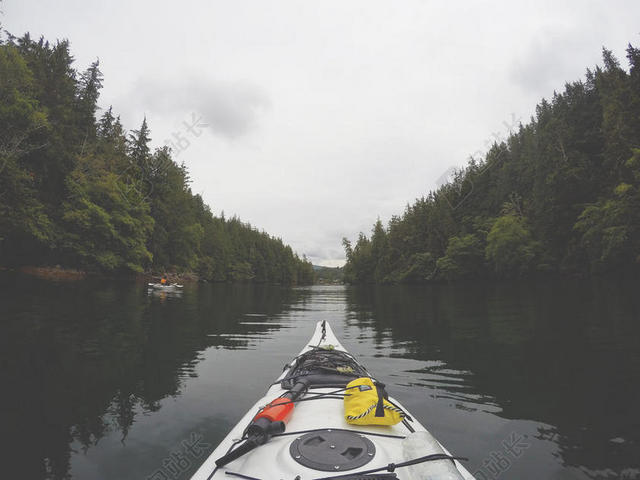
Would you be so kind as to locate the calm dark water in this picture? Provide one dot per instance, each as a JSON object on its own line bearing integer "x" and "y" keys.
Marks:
{"x": 103, "y": 381}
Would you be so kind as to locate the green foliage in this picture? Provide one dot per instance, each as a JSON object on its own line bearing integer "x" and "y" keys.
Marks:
{"x": 361, "y": 266}
{"x": 464, "y": 258}
{"x": 511, "y": 249}
{"x": 25, "y": 228}
{"x": 609, "y": 230}
{"x": 101, "y": 227}
{"x": 420, "y": 267}
{"x": 88, "y": 92}
{"x": 139, "y": 147}
{"x": 25, "y": 225}
{"x": 562, "y": 188}
{"x": 305, "y": 273}
{"x": 82, "y": 192}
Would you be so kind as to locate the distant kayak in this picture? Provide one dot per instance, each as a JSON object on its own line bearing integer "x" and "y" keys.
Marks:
{"x": 326, "y": 418}
{"x": 160, "y": 286}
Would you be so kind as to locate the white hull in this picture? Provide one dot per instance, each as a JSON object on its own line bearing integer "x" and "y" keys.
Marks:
{"x": 168, "y": 288}
{"x": 272, "y": 461}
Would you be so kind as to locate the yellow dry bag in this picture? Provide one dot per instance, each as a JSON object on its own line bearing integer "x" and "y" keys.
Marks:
{"x": 364, "y": 404}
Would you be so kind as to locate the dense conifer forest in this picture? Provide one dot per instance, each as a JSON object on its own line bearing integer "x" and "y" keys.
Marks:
{"x": 78, "y": 190}
{"x": 560, "y": 195}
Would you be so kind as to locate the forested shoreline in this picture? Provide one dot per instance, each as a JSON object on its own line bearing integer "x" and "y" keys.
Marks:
{"x": 78, "y": 190}
{"x": 561, "y": 195}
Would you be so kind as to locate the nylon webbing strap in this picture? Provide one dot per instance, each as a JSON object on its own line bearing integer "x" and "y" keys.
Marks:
{"x": 380, "y": 406}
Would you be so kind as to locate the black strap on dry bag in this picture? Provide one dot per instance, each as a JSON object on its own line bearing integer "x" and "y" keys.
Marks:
{"x": 381, "y": 396}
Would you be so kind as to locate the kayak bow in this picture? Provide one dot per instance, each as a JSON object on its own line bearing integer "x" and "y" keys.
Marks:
{"x": 315, "y": 442}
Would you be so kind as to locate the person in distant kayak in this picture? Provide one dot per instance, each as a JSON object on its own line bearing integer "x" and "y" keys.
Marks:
{"x": 163, "y": 280}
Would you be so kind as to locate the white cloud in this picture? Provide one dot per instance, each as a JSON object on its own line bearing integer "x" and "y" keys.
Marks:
{"x": 229, "y": 109}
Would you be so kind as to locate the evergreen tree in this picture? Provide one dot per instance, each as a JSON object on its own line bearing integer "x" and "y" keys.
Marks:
{"x": 82, "y": 193}
{"x": 89, "y": 86}
{"x": 139, "y": 149}
{"x": 558, "y": 195}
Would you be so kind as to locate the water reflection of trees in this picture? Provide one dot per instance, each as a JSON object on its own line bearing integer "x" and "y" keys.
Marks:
{"x": 561, "y": 353}
{"x": 84, "y": 360}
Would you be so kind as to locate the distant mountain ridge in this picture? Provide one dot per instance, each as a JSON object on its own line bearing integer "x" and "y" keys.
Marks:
{"x": 324, "y": 274}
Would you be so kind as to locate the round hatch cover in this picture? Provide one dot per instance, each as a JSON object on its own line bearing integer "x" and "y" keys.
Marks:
{"x": 332, "y": 450}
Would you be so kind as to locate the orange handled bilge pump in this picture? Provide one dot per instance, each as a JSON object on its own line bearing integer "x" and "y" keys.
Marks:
{"x": 270, "y": 420}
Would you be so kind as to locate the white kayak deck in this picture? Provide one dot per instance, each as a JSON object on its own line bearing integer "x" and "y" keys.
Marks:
{"x": 272, "y": 461}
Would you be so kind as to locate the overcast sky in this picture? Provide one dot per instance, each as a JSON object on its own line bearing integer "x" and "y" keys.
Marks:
{"x": 309, "y": 119}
